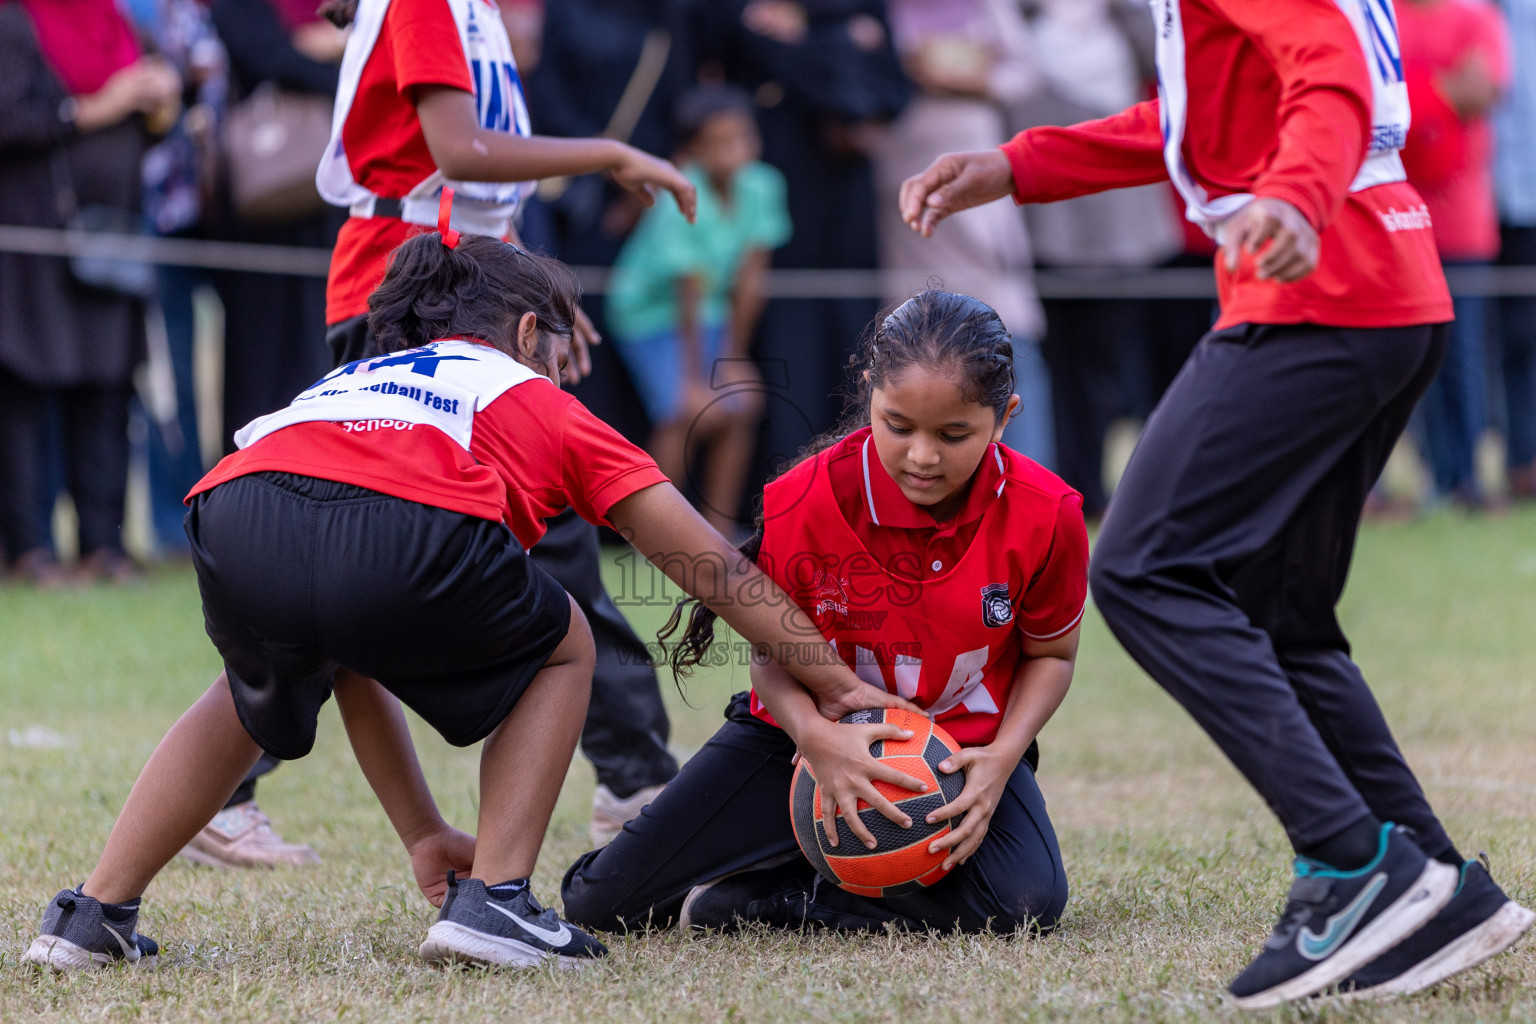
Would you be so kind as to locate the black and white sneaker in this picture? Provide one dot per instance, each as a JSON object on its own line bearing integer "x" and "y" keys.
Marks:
{"x": 1478, "y": 923}
{"x": 1338, "y": 921}
{"x": 477, "y": 925}
{"x": 80, "y": 933}
{"x": 774, "y": 893}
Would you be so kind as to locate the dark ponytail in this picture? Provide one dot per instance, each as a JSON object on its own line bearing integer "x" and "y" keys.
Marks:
{"x": 340, "y": 13}
{"x": 688, "y": 653}
{"x": 481, "y": 289}
{"x": 934, "y": 328}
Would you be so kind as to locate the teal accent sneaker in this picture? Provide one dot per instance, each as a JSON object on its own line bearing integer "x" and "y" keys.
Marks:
{"x": 1336, "y": 922}
{"x": 1478, "y": 923}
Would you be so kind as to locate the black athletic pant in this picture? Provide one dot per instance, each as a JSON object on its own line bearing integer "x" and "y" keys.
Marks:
{"x": 1226, "y": 547}
{"x": 728, "y": 809}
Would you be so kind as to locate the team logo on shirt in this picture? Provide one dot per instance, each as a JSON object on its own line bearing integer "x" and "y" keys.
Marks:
{"x": 996, "y": 608}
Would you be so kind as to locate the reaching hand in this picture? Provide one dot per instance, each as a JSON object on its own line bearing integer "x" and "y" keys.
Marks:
{"x": 643, "y": 174}
{"x": 1293, "y": 245}
{"x": 954, "y": 182}
{"x": 987, "y": 772}
{"x": 847, "y": 773}
{"x": 858, "y": 695}
{"x": 437, "y": 853}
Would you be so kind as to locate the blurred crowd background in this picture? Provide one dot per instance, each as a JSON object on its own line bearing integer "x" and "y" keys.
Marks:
{"x": 797, "y": 118}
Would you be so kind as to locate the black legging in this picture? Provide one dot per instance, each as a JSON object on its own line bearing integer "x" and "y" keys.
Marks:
{"x": 728, "y": 809}
{"x": 94, "y": 419}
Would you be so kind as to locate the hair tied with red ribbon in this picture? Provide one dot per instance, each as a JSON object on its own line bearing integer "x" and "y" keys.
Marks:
{"x": 444, "y": 214}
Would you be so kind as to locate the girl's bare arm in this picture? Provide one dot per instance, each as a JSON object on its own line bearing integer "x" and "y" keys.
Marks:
{"x": 462, "y": 149}
{"x": 664, "y": 528}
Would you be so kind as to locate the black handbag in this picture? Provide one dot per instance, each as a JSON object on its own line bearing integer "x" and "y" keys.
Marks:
{"x": 96, "y": 266}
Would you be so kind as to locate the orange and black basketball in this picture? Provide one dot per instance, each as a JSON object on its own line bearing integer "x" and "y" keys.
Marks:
{"x": 900, "y": 861}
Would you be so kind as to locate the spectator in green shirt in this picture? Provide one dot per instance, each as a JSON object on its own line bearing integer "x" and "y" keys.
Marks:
{"x": 685, "y": 300}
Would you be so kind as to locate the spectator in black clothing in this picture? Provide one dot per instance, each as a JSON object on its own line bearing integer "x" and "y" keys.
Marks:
{"x": 274, "y": 326}
{"x": 825, "y": 77}
{"x": 74, "y": 89}
{"x": 595, "y": 54}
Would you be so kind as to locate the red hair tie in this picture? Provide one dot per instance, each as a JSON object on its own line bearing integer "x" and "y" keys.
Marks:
{"x": 444, "y": 213}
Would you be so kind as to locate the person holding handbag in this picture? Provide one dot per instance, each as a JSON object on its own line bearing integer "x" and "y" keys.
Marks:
{"x": 75, "y": 95}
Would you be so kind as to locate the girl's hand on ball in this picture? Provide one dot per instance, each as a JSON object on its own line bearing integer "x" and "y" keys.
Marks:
{"x": 987, "y": 772}
{"x": 847, "y": 773}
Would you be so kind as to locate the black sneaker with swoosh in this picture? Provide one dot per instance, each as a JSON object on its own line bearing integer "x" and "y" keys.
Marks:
{"x": 80, "y": 933}
{"x": 1478, "y": 923}
{"x": 476, "y": 925}
{"x": 1337, "y": 921}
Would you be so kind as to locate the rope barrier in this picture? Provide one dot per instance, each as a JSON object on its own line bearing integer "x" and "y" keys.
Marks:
{"x": 303, "y": 261}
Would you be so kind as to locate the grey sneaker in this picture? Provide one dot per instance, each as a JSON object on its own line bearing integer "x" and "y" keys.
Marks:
{"x": 477, "y": 926}
{"x": 80, "y": 933}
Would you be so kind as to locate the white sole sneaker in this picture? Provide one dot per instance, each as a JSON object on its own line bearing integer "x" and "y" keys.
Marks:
{"x": 1411, "y": 911}
{"x": 1487, "y": 940}
{"x": 448, "y": 942}
{"x": 61, "y": 955}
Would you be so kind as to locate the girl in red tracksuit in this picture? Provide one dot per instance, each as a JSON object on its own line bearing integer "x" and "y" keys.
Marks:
{"x": 1228, "y": 543}
{"x": 943, "y": 567}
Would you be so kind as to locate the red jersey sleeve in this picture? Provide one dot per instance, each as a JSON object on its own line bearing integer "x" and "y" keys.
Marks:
{"x": 1054, "y": 601}
{"x": 425, "y": 45}
{"x": 1325, "y": 100}
{"x": 1051, "y": 163}
{"x": 599, "y": 467}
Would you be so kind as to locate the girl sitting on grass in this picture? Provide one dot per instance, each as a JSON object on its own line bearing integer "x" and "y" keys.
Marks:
{"x": 943, "y": 566}
{"x": 377, "y": 529}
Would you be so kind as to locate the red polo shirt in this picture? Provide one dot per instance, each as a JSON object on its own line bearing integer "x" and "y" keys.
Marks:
{"x": 903, "y": 536}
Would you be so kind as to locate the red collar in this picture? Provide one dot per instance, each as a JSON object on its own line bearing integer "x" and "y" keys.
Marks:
{"x": 887, "y": 506}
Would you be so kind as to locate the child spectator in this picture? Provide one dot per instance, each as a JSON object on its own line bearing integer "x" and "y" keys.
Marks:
{"x": 686, "y": 299}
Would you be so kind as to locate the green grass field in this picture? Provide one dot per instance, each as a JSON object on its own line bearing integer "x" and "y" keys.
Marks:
{"x": 1176, "y": 869}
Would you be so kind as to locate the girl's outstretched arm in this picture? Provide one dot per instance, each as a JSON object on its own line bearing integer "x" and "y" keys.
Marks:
{"x": 462, "y": 149}
{"x": 664, "y": 528}
{"x": 382, "y": 742}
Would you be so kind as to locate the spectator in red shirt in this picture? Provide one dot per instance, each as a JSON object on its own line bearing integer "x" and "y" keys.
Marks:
{"x": 1228, "y": 542}
{"x": 1456, "y": 62}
